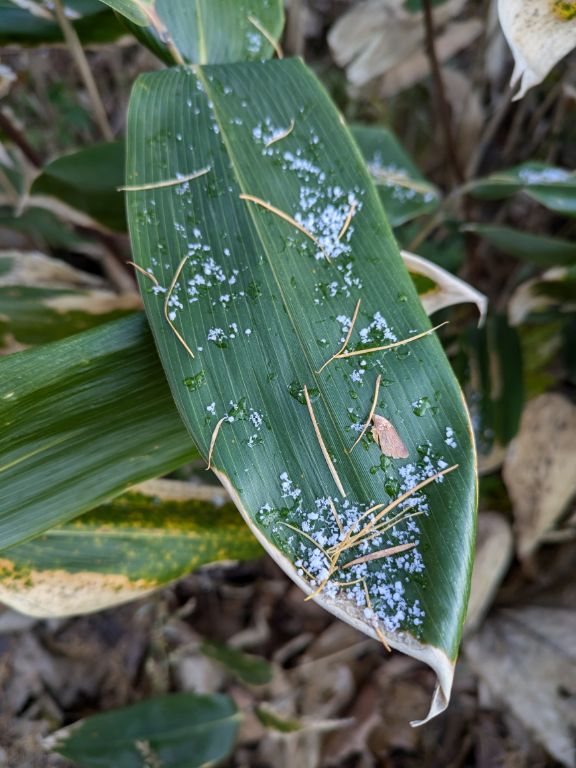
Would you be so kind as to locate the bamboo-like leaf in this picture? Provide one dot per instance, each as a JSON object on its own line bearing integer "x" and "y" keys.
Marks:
{"x": 404, "y": 192}
{"x": 257, "y": 267}
{"x": 205, "y": 31}
{"x": 179, "y": 730}
{"x": 141, "y": 540}
{"x": 552, "y": 187}
{"x": 82, "y": 420}
{"x": 536, "y": 249}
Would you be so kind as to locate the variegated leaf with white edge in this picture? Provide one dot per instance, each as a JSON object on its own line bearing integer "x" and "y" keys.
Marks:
{"x": 448, "y": 289}
{"x": 540, "y": 33}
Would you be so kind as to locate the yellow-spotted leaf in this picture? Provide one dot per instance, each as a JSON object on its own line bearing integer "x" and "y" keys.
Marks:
{"x": 124, "y": 549}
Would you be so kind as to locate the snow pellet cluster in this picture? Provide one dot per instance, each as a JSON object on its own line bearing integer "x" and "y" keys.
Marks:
{"x": 398, "y": 181}
{"x": 380, "y": 588}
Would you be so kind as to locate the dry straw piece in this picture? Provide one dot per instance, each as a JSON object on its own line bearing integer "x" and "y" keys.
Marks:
{"x": 323, "y": 448}
{"x": 167, "y": 308}
{"x": 288, "y": 218}
{"x": 168, "y": 183}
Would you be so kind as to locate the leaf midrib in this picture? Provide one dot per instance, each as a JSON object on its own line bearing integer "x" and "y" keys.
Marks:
{"x": 252, "y": 213}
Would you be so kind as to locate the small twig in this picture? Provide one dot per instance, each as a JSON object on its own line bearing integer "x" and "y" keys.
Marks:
{"x": 264, "y": 32}
{"x": 443, "y": 107}
{"x": 287, "y": 218}
{"x": 372, "y": 409}
{"x": 336, "y": 516}
{"x": 380, "y": 554}
{"x": 75, "y": 47}
{"x": 347, "y": 339}
{"x": 406, "y": 495}
{"x": 167, "y": 308}
{"x": 307, "y": 536}
{"x": 325, "y": 453}
{"x": 143, "y": 272}
{"x": 346, "y": 224}
{"x": 384, "y": 527}
{"x": 8, "y": 127}
{"x": 356, "y": 352}
{"x": 213, "y": 440}
{"x": 281, "y": 135}
{"x": 167, "y": 183}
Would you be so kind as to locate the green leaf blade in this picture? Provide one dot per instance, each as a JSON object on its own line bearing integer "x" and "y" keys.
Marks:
{"x": 142, "y": 540}
{"x": 180, "y": 730}
{"x": 259, "y": 305}
{"x": 83, "y": 419}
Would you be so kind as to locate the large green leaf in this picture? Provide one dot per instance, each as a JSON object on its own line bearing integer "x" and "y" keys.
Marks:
{"x": 553, "y": 187}
{"x": 139, "y": 541}
{"x": 205, "y": 31}
{"x": 404, "y": 192}
{"x": 261, "y": 307}
{"x": 179, "y": 730}
{"x": 82, "y": 420}
{"x": 92, "y": 21}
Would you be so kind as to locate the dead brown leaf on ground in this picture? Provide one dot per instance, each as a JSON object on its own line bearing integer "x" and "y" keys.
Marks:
{"x": 540, "y": 468}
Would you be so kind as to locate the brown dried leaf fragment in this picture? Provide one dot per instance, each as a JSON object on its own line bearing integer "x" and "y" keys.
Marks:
{"x": 387, "y": 438}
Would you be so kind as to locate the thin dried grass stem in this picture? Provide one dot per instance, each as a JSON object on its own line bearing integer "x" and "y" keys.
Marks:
{"x": 323, "y": 448}
{"x": 336, "y": 516}
{"x": 167, "y": 183}
{"x": 143, "y": 272}
{"x": 372, "y": 409}
{"x": 166, "y": 307}
{"x": 213, "y": 440}
{"x": 311, "y": 539}
{"x": 264, "y": 32}
{"x": 348, "y": 335}
{"x": 289, "y": 219}
{"x": 282, "y": 135}
{"x": 349, "y": 217}
{"x": 356, "y": 352}
{"x": 380, "y": 554}
{"x": 395, "y": 503}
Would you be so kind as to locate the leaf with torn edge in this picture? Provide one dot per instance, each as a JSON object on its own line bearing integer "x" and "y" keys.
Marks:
{"x": 122, "y": 550}
{"x": 387, "y": 438}
{"x": 282, "y": 277}
{"x": 538, "y": 37}
{"x": 447, "y": 289}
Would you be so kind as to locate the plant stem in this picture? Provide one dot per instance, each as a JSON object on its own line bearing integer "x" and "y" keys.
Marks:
{"x": 7, "y": 127}
{"x": 75, "y": 47}
{"x": 443, "y": 107}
